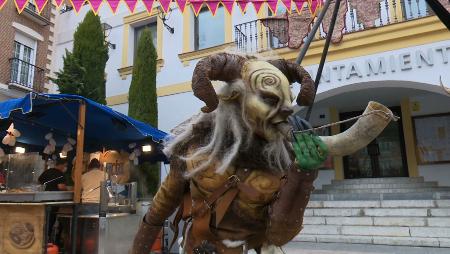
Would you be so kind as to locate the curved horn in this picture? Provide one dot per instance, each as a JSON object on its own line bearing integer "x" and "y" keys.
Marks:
{"x": 296, "y": 73}
{"x": 224, "y": 67}
{"x": 362, "y": 131}
{"x": 446, "y": 89}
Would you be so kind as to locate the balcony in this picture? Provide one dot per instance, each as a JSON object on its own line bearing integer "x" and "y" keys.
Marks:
{"x": 31, "y": 13}
{"x": 288, "y": 30}
{"x": 26, "y": 76}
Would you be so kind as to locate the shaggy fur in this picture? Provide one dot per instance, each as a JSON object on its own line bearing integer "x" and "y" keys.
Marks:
{"x": 230, "y": 137}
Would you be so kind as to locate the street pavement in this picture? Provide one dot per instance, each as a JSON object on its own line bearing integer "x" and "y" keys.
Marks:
{"x": 338, "y": 248}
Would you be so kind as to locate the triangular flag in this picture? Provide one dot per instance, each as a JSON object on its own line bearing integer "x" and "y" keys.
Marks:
{"x": 131, "y": 4}
{"x": 114, "y": 4}
{"x": 288, "y": 4}
{"x": 313, "y": 6}
{"x": 165, "y": 4}
{"x": 77, "y": 4}
{"x": 272, "y": 6}
{"x": 228, "y": 4}
{"x": 95, "y": 5}
{"x": 242, "y": 4}
{"x": 2, "y": 2}
{"x": 196, "y": 6}
{"x": 181, "y": 4}
{"x": 148, "y": 5}
{"x": 257, "y": 4}
{"x": 40, "y": 4}
{"x": 20, "y": 4}
{"x": 299, "y": 5}
{"x": 59, "y": 3}
{"x": 213, "y": 5}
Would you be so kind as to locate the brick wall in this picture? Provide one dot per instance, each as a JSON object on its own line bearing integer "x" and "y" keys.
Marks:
{"x": 9, "y": 15}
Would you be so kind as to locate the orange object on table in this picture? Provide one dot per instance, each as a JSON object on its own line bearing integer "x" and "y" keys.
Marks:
{"x": 52, "y": 248}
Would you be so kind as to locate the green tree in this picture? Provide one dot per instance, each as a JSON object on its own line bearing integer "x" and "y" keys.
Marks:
{"x": 91, "y": 53}
{"x": 71, "y": 79}
{"x": 142, "y": 100}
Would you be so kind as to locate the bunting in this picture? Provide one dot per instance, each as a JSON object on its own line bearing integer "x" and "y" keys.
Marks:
{"x": 196, "y": 5}
{"x": 148, "y": 5}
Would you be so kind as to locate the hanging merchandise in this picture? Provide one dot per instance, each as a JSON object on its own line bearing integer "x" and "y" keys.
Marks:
{"x": 135, "y": 154}
{"x": 51, "y": 147}
{"x": 11, "y": 135}
{"x": 68, "y": 146}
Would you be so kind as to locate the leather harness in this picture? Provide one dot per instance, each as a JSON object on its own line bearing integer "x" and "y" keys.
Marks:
{"x": 201, "y": 210}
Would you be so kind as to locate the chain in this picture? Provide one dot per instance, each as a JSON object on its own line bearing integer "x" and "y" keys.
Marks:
{"x": 389, "y": 115}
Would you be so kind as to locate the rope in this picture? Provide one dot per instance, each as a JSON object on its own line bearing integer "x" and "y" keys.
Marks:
{"x": 389, "y": 115}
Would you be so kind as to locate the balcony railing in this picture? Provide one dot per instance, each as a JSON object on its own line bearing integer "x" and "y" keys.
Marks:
{"x": 258, "y": 35}
{"x": 27, "y": 76}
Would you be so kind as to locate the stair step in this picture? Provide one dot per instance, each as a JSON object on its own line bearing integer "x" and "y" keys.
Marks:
{"x": 408, "y": 241}
{"x": 357, "y": 230}
{"x": 390, "y": 190}
{"x": 380, "y": 196}
{"x": 380, "y": 204}
{"x": 380, "y": 180}
{"x": 330, "y": 187}
{"x": 379, "y": 221}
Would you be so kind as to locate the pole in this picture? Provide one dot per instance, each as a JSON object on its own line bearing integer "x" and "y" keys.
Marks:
{"x": 312, "y": 33}
{"x": 440, "y": 11}
{"x": 77, "y": 174}
{"x": 324, "y": 54}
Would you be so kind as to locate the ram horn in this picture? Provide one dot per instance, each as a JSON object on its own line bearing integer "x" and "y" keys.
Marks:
{"x": 296, "y": 73}
{"x": 224, "y": 67}
{"x": 362, "y": 132}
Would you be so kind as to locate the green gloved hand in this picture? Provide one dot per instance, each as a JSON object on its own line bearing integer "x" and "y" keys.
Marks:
{"x": 310, "y": 151}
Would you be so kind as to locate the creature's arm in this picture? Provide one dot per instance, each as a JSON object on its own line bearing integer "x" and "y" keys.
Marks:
{"x": 286, "y": 212}
{"x": 166, "y": 200}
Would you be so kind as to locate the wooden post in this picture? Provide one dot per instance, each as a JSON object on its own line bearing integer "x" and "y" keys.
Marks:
{"x": 79, "y": 152}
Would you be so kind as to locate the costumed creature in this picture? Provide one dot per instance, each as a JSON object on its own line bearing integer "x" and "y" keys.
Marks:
{"x": 238, "y": 173}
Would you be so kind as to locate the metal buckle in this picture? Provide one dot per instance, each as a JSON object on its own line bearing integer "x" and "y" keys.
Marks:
{"x": 233, "y": 180}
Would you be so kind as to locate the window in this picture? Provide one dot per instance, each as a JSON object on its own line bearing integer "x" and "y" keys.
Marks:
{"x": 209, "y": 30}
{"x": 433, "y": 138}
{"x": 22, "y": 65}
{"x": 138, "y": 33}
{"x": 31, "y": 6}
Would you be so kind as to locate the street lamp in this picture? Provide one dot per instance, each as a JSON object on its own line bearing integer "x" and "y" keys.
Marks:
{"x": 164, "y": 18}
{"x": 106, "y": 31}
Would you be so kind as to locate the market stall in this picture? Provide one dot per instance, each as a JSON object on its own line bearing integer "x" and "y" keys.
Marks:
{"x": 39, "y": 129}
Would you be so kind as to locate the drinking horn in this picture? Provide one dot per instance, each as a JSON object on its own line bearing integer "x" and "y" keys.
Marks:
{"x": 375, "y": 118}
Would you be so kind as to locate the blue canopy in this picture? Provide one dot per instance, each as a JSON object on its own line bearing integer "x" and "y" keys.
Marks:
{"x": 35, "y": 115}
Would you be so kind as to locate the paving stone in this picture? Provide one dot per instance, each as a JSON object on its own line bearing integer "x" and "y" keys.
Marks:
{"x": 337, "y": 212}
{"x": 343, "y": 239}
{"x": 430, "y": 232}
{"x": 321, "y": 229}
{"x": 315, "y": 204}
{"x": 314, "y": 220}
{"x": 375, "y": 231}
{"x": 444, "y": 242}
{"x": 349, "y": 221}
{"x": 350, "y": 204}
{"x": 304, "y": 238}
{"x": 439, "y": 222}
{"x": 395, "y": 212}
{"x": 407, "y": 203}
{"x": 399, "y": 221}
{"x": 440, "y": 212}
{"x": 408, "y": 241}
{"x": 443, "y": 203}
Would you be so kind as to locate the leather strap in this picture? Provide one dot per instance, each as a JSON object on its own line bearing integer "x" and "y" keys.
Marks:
{"x": 184, "y": 212}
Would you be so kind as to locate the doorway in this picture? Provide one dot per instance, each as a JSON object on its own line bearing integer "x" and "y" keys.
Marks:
{"x": 383, "y": 157}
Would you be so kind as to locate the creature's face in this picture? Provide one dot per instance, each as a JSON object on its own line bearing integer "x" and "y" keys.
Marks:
{"x": 269, "y": 99}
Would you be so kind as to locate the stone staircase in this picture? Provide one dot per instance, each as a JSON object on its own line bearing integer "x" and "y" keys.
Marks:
{"x": 389, "y": 211}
